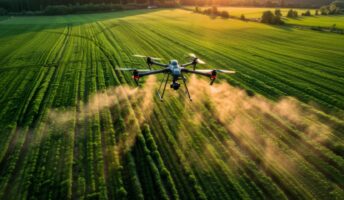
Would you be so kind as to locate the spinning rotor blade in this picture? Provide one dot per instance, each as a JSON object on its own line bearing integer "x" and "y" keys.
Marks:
{"x": 217, "y": 70}
{"x": 195, "y": 58}
{"x": 226, "y": 71}
{"x": 199, "y": 61}
{"x": 142, "y": 56}
{"x": 139, "y": 56}
{"x": 156, "y": 58}
{"x": 192, "y": 55}
{"x": 132, "y": 69}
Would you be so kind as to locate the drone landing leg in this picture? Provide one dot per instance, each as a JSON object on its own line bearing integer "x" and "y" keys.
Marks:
{"x": 163, "y": 92}
{"x": 162, "y": 81}
{"x": 186, "y": 88}
{"x": 137, "y": 82}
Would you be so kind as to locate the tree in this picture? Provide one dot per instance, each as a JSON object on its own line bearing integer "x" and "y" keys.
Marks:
{"x": 324, "y": 10}
{"x": 331, "y": 9}
{"x": 292, "y": 14}
{"x": 224, "y": 14}
{"x": 339, "y": 4}
{"x": 317, "y": 12}
{"x": 277, "y": 20}
{"x": 242, "y": 17}
{"x": 207, "y": 11}
{"x": 307, "y": 13}
{"x": 269, "y": 18}
{"x": 278, "y": 12}
{"x": 214, "y": 10}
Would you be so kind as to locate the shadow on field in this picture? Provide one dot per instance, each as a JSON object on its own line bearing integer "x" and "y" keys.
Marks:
{"x": 14, "y": 26}
{"x": 283, "y": 27}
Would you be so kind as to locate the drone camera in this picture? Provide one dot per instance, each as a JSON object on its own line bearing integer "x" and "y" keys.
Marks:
{"x": 175, "y": 85}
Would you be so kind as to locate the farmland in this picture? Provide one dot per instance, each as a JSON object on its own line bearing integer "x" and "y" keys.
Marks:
{"x": 253, "y": 12}
{"x": 72, "y": 127}
{"x": 321, "y": 21}
{"x": 310, "y": 21}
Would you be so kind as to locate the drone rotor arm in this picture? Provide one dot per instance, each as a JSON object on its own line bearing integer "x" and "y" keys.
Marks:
{"x": 187, "y": 64}
{"x": 147, "y": 73}
{"x": 216, "y": 70}
{"x": 158, "y": 64}
{"x": 132, "y": 69}
{"x": 151, "y": 61}
{"x": 210, "y": 73}
{"x": 206, "y": 74}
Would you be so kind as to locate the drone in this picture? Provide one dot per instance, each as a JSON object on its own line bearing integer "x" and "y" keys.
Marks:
{"x": 175, "y": 70}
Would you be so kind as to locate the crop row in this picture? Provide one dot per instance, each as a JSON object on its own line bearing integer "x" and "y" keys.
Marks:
{"x": 60, "y": 143}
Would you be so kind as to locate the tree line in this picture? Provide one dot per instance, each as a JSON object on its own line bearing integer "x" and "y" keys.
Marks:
{"x": 80, "y": 5}
{"x": 260, "y": 3}
{"x": 39, "y": 5}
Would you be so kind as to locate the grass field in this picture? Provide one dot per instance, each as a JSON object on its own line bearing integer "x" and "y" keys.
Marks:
{"x": 322, "y": 21}
{"x": 72, "y": 127}
{"x": 316, "y": 21}
{"x": 257, "y": 12}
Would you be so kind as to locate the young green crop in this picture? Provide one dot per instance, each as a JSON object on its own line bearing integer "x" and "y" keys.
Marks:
{"x": 73, "y": 127}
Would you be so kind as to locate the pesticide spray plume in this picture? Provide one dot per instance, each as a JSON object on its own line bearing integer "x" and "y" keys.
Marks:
{"x": 257, "y": 123}
{"x": 137, "y": 103}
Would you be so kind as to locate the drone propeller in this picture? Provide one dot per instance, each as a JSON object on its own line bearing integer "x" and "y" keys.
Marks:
{"x": 142, "y": 56}
{"x": 217, "y": 70}
{"x": 135, "y": 72}
{"x": 192, "y": 55}
{"x": 149, "y": 60}
{"x": 132, "y": 69}
{"x": 195, "y": 60}
{"x": 213, "y": 73}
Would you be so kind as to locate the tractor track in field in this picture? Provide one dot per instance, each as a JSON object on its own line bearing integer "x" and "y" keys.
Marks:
{"x": 202, "y": 154}
{"x": 96, "y": 43}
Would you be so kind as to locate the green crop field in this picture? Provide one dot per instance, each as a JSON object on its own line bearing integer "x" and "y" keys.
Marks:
{"x": 256, "y": 13}
{"x": 73, "y": 127}
{"x": 321, "y": 21}
{"x": 253, "y": 12}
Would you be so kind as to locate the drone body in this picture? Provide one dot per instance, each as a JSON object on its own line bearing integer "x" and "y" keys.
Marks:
{"x": 175, "y": 70}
